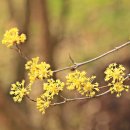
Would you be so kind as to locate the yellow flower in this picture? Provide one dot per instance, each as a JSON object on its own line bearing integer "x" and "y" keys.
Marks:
{"x": 114, "y": 72}
{"x": 53, "y": 87}
{"x": 75, "y": 80}
{"x": 42, "y": 103}
{"x": 12, "y": 37}
{"x": 118, "y": 87}
{"x": 83, "y": 84}
{"x": 18, "y": 91}
{"x": 89, "y": 88}
{"x": 22, "y": 38}
{"x": 37, "y": 70}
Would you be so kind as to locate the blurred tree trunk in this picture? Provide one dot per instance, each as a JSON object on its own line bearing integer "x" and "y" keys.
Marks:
{"x": 48, "y": 41}
{"x": 37, "y": 12}
{"x": 22, "y": 23}
{"x": 45, "y": 44}
{"x": 53, "y": 40}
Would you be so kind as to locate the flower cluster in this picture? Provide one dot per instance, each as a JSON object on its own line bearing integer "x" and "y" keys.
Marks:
{"x": 18, "y": 91}
{"x": 37, "y": 70}
{"x": 118, "y": 87}
{"x": 12, "y": 37}
{"x": 42, "y": 103}
{"x": 76, "y": 80}
{"x": 51, "y": 88}
{"x": 83, "y": 84}
{"x": 115, "y": 73}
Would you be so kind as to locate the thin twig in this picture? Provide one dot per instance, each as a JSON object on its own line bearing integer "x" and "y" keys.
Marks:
{"x": 30, "y": 98}
{"x": 83, "y": 98}
{"x": 71, "y": 59}
{"x": 76, "y": 65}
{"x": 62, "y": 97}
{"x": 18, "y": 49}
{"x": 103, "y": 86}
{"x": 80, "y": 98}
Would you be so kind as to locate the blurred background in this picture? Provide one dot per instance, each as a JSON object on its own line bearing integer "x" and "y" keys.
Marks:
{"x": 56, "y": 29}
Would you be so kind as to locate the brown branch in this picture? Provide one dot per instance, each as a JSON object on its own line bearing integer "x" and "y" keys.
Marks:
{"x": 76, "y": 65}
{"x": 18, "y": 49}
{"x": 71, "y": 59}
{"x": 80, "y": 98}
{"x": 84, "y": 98}
{"x": 71, "y": 99}
{"x": 30, "y": 98}
{"x": 103, "y": 86}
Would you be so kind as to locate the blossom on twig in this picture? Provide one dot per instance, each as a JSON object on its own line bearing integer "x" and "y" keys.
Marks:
{"x": 12, "y": 37}
{"x": 83, "y": 84}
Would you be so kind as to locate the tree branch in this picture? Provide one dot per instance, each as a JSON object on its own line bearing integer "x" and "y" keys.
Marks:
{"x": 80, "y": 98}
{"x": 76, "y": 65}
{"x": 18, "y": 49}
{"x": 84, "y": 98}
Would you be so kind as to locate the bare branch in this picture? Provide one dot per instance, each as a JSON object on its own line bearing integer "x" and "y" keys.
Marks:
{"x": 18, "y": 49}
{"x": 103, "y": 86}
{"x": 80, "y": 98}
{"x": 30, "y": 98}
{"x": 84, "y": 98}
{"x": 71, "y": 59}
{"x": 76, "y": 65}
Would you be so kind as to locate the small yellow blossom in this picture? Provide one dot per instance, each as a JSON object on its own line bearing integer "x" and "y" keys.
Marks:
{"x": 12, "y": 37}
{"x": 118, "y": 87}
{"x": 114, "y": 72}
{"x": 89, "y": 88}
{"x": 18, "y": 91}
{"x": 37, "y": 70}
{"x": 75, "y": 79}
{"x": 22, "y": 38}
{"x": 29, "y": 86}
{"x": 83, "y": 84}
{"x": 52, "y": 87}
{"x": 42, "y": 103}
